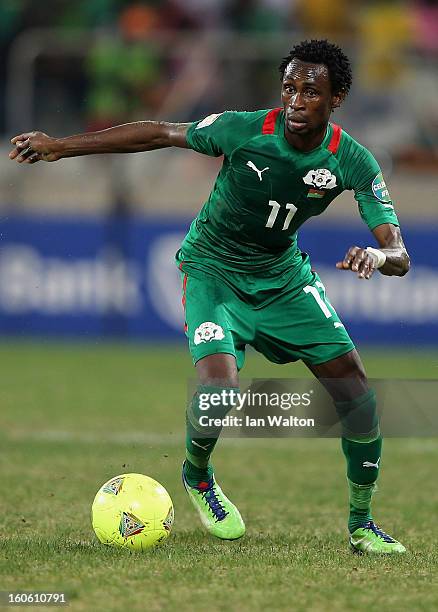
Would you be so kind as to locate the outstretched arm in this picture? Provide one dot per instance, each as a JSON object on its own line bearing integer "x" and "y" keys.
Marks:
{"x": 31, "y": 147}
{"x": 392, "y": 252}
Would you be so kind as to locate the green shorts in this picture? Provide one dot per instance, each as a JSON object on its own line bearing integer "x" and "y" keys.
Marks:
{"x": 285, "y": 323}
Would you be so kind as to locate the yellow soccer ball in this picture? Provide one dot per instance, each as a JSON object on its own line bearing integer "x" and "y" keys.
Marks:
{"x": 133, "y": 511}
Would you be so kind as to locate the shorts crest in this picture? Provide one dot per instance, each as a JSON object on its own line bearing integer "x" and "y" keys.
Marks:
{"x": 207, "y": 332}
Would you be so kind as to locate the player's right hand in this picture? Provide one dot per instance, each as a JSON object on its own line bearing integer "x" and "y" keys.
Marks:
{"x": 34, "y": 146}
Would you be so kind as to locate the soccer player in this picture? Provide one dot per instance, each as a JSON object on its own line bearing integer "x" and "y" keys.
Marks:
{"x": 244, "y": 279}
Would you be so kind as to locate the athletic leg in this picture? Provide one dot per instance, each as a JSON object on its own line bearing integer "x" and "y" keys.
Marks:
{"x": 345, "y": 379}
{"x": 217, "y": 374}
{"x": 302, "y": 324}
{"x": 217, "y": 328}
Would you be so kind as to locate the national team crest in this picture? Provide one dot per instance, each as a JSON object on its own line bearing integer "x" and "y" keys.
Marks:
{"x": 168, "y": 521}
{"x": 130, "y": 525}
{"x": 207, "y": 332}
{"x": 319, "y": 180}
{"x": 114, "y": 486}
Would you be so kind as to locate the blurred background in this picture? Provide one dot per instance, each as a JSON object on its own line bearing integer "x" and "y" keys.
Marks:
{"x": 87, "y": 244}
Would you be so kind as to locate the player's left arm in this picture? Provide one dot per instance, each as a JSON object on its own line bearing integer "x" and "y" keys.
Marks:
{"x": 391, "y": 243}
{"x": 390, "y": 259}
{"x": 363, "y": 174}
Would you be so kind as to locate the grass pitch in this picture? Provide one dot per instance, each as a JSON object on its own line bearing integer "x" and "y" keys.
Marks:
{"x": 72, "y": 416}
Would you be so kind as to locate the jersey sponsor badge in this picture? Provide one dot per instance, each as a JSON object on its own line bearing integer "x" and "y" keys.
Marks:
{"x": 208, "y": 121}
{"x": 207, "y": 332}
{"x": 320, "y": 179}
{"x": 380, "y": 189}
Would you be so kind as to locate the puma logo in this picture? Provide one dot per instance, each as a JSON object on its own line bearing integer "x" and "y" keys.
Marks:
{"x": 370, "y": 464}
{"x": 254, "y": 167}
{"x": 200, "y": 445}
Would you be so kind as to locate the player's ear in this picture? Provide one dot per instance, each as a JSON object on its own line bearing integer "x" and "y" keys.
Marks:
{"x": 337, "y": 100}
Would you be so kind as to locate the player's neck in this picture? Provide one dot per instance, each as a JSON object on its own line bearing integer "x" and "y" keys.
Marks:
{"x": 305, "y": 142}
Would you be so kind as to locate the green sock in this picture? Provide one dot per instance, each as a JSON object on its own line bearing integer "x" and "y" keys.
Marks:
{"x": 363, "y": 459}
{"x": 200, "y": 441}
{"x": 362, "y": 445}
{"x": 195, "y": 475}
{"x": 360, "y": 504}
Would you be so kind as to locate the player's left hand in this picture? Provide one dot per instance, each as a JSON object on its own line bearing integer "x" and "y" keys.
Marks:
{"x": 358, "y": 260}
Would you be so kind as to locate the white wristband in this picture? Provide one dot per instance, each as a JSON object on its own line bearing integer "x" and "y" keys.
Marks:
{"x": 378, "y": 256}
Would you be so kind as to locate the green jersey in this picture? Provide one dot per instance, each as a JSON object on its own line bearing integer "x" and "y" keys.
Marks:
{"x": 266, "y": 189}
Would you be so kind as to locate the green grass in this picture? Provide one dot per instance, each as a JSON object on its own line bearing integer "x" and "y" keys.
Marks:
{"x": 72, "y": 416}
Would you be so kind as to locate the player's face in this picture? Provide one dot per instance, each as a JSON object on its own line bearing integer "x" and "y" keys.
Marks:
{"x": 307, "y": 98}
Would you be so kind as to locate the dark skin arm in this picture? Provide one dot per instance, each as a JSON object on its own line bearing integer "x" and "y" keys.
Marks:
{"x": 31, "y": 147}
{"x": 390, "y": 241}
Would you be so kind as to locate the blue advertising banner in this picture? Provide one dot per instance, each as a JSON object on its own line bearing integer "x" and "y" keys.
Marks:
{"x": 117, "y": 278}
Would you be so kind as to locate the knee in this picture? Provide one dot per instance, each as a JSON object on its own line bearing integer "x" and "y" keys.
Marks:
{"x": 351, "y": 380}
{"x": 352, "y": 367}
{"x": 218, "y": 371}
{"x": 222, "y": 383}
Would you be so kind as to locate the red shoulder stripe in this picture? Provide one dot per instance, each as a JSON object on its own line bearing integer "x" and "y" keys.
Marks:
{"x": 269, "y": 122}
{"x": 335, "y": 139}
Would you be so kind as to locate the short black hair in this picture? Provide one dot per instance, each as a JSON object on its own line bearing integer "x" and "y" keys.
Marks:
{"x": 323, "y": 52}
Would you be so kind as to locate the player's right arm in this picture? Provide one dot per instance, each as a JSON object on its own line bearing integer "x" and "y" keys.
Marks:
{"x": 31, "y": 147}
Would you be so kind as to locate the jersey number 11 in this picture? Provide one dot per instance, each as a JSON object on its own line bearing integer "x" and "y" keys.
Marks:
{"x": 274, "y": 213}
